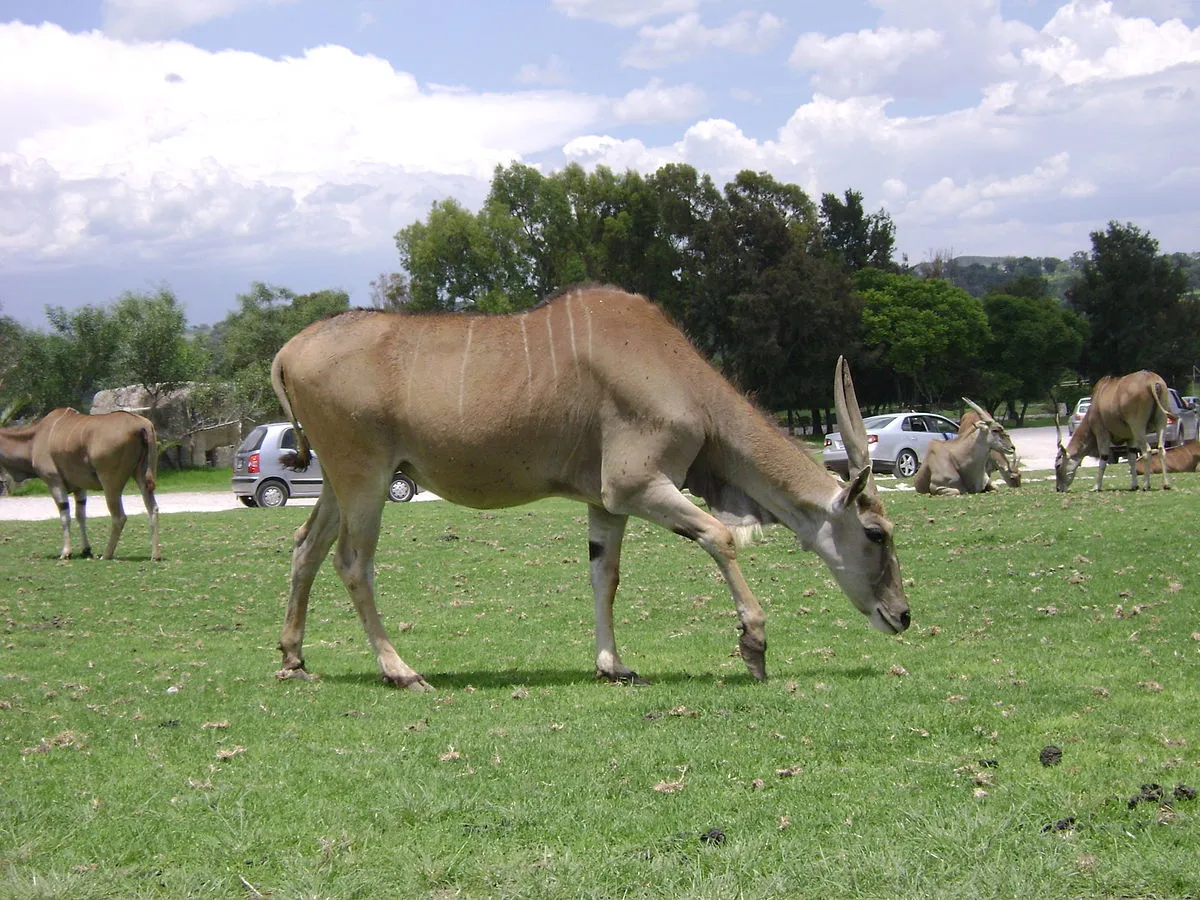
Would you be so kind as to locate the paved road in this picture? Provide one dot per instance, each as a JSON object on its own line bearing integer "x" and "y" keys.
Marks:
{"x": 30, "y": 509}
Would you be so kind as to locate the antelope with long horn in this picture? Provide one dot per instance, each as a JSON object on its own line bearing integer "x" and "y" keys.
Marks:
{"x": 1123, "y": 413}
{"x": 593, "y": 396}
{"x": 961, "y": 464}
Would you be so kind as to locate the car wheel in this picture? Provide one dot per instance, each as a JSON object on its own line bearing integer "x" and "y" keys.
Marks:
{"x": 401, "y": 489}
{"x": 249, "y": 501}
{"x": 907, "y": 464}
{"x": 271, "y": 494}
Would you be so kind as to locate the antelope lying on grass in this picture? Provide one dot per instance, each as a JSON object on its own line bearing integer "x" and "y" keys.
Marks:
{"x": 1123, "y": 412}
{"x": 74, "y": 454}
{"x": 960, "y": 465}
{"x": 1183, "y": 458}
{"x": 1007, "y": 464}
{"x": 593, "y": 396}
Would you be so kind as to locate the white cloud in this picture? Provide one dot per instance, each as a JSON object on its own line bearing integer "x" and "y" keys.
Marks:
{"x": 1087, "y": 41}
{"x": 687, "y": 37}
{"x": 657, "y": 102}
{"x": 155, "y": 19}
{"x": 115, "y": 148}
{"x": 855, "y": 63}
{"x": 623, "y": 13}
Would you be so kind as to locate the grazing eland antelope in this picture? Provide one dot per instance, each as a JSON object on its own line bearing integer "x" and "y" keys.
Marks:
{"x": 75, "y": 453}
{"x": 960, "y": 465}
{"x": 1183, "y": 458}
{"x": 1008, "y": 465}
{"x": 594, "y": 396}
{"x": 1123, "y": 412}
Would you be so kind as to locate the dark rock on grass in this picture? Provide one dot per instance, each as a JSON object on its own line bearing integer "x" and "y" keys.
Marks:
{"x": 1183, "y": 792}
{"x": 1050, "y": 755}
{"x": 990, "y": 763}
{"x": 714, "y": 836}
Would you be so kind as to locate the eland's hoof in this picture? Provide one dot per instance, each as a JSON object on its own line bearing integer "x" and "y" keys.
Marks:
{"x": 413, "y": 682}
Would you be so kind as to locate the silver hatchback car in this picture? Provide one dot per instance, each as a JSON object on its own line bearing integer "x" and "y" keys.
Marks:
{"x": 260, "y": 480}
{"x": 898, "y": 442}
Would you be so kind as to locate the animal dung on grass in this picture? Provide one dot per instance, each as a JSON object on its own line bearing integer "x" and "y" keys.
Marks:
{"x": 1050, "y": 755}
{"x": 593, "y": 396}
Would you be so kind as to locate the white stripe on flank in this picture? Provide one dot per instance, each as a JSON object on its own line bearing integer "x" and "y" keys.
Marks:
{"x": 571, "y": 325}
{"x": 462, "y": 374}
{"x": 528, "y": 363}
{"x": 550, "y": 342}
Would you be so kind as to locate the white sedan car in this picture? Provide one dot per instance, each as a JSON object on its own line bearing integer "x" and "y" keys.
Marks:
{"x": 898, "y": 442}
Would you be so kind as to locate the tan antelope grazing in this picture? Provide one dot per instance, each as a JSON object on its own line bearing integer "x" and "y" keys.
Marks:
{"x": 1007, "y": 465}
{"x": 960, "y": 465}
{"x": 1123, "y": 412}
{"x": 74, "y": 453}
{"x": 1183, "y": 458}
{"x": 593, "y": 396}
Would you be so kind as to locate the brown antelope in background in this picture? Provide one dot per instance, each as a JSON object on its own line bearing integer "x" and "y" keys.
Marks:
{"x": 593, "y": 396}
{"x": 1123, "y": 412}
{"x": 74, "y": 453}
{"x": 962, "y": 465}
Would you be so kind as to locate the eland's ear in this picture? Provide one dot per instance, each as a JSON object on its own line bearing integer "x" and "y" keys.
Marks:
{"x": 858, "y": 484}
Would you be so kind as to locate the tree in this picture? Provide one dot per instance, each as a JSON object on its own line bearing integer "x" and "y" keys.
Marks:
{"x": 929, "y": 333}
{"x": 855, "y": 239}
{"x": 1133, "y": 300}
{"x": 1034, "y": 341}
{"x": 390, "y": 292}
{"x": 153, "y": 347}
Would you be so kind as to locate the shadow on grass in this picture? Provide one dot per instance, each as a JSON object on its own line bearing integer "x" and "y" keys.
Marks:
{"x": 533, "y": 677}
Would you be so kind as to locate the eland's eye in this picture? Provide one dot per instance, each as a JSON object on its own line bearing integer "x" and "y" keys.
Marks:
{"x": 875, "y": 534}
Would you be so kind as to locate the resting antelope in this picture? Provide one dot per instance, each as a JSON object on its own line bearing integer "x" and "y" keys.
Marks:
{"x": 1007, "y": 464}
{"x": 1183, "y": 458}
{"x": 593, "y": 396}
{"x": 1123, "y": 412}
{"x": 74, "y": 453}
{"x": 961, "y": 465}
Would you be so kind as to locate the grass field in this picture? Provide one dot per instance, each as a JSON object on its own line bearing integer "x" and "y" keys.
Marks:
{"x": 146, "y": 749}
{"x": 199, "y": 478}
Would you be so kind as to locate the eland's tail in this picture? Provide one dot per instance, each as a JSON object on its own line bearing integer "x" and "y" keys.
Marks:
{"x": 300, "y": 458}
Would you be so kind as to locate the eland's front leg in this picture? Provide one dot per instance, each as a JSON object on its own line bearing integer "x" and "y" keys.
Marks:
{"x": 605, "y": 533}
{"x": 59, "y": 493}
{"x": 662, "y": 502}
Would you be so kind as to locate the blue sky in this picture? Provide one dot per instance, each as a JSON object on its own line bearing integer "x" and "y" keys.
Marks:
{"x": 210, "y": 143}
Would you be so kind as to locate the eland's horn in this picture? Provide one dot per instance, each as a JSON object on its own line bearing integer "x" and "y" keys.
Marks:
{"x": 850, "y": 421}
{"x": 983, "y": 413}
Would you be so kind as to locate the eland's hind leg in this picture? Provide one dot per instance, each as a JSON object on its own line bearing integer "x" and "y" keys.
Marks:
{"x": 309, "y": 549}
{"x": 605, "y": 533}
{"x": 354, "y": 558}
{"x": 152, "y": 514}
{"x": 116, "y": 512}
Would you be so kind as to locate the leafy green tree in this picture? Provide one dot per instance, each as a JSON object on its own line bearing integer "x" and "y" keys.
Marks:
{"x": 1034, "y": 342}
{"x": 854, "y": 238}
{"x": 927, "y": 332}
{"x": 390, "y": 292}
{"x": 1133, "y": 300}
{"x": 154, "y": 350}
{"x": 266, "y": 318}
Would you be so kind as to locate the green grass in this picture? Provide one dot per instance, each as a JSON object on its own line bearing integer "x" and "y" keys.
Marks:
{"x": 200, "y": 478}
{"x": 146, "y": 750}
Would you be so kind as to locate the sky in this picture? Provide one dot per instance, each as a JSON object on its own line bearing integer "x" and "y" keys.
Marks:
{"x": 207, "y": 144}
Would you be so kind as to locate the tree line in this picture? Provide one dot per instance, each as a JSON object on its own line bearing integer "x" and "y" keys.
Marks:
{"x": 769, "y": 283}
